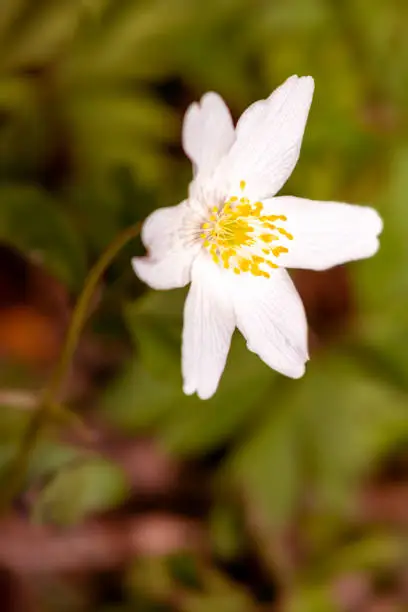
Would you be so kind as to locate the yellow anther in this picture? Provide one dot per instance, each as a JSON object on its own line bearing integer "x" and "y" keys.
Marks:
{"x": 244, "y": 265}
{"x": 243, "y": 209}
{"x": 267, "y": 237}
{"x": 231, "y": 233}
{"x": 278, "y": 250}
{"x": 276, "y": 218}
{"x": 242, "y": 185}
{"x": 285, "y": 233}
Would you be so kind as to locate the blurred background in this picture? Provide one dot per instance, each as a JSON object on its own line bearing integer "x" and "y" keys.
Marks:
{"x": 275, "y": 495}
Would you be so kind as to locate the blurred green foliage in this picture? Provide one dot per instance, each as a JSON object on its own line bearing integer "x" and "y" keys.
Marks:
{"x": 91, "y": 100}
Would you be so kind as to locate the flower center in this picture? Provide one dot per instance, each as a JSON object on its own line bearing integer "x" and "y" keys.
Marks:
{"x": 240, "y": 237}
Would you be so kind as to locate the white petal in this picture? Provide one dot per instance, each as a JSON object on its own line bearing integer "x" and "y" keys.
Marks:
{"x": 208, "y": 132}
{"x": 164, "y": 229}
{"x": 271, "y": 317}
{"x": 325, "y": 234}
{"x": 268, "y": 139}
{"x": 208, "y": 326}
{"x": 170, "y": 249}
{"x": 169, "y": 272}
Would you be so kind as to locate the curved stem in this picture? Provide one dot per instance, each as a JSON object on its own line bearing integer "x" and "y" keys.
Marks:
{"x": 81, "y": 310}
{"x": 49, "y": 406}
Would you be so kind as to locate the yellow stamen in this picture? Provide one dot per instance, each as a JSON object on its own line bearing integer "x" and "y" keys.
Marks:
{"x": 234, "y": 233}
{"x": 285, "y": 233}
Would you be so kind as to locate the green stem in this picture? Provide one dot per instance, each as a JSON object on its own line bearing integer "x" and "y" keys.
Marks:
{"x": 81, "y": 310}
{"x": 49, "y": 406}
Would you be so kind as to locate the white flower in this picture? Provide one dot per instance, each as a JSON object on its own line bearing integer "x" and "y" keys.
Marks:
{"x": 232, "y": 238}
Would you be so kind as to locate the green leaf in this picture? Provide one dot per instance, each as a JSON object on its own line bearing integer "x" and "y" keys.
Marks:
{"x": 50, "y": 457}
{"x": 348, "y": 420}
{"x": 131, "y": 39}
{"x": 375, "y": 552}
{"x": 226, "y": 530}
{"x": 94, "y": 485}
{"x": 312, "y": 599}
{"x": 137, "y": 400}
{"x": 382, "y": 281}
{"x": 219, "y": 594}
{"x": 117, "y": 115}
{"x": 268, "y": 464}
{"x": 150, "y": 576}
{"x": 155, "y": 322}
{"x": 9, "y": 12}
{"x": 41, "y": 32}
{"x": 16, "y": 93}
{"x": 45, "y": 458}
{"x": 34, "y": 223}
{"x": 327, "y": 430}
{"x": 294, "y": 14}
{"x": 12, "y": 426}
{"x": 136, "y": 125}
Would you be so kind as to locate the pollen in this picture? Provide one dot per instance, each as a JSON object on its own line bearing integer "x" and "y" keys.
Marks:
{"x": 241, "y": 238}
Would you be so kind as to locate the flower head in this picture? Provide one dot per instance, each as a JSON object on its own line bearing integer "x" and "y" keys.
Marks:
{"x": 233, "y": 238}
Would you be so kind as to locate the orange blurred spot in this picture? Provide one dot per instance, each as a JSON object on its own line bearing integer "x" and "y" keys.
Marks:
{"x": 27, "y": 335}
